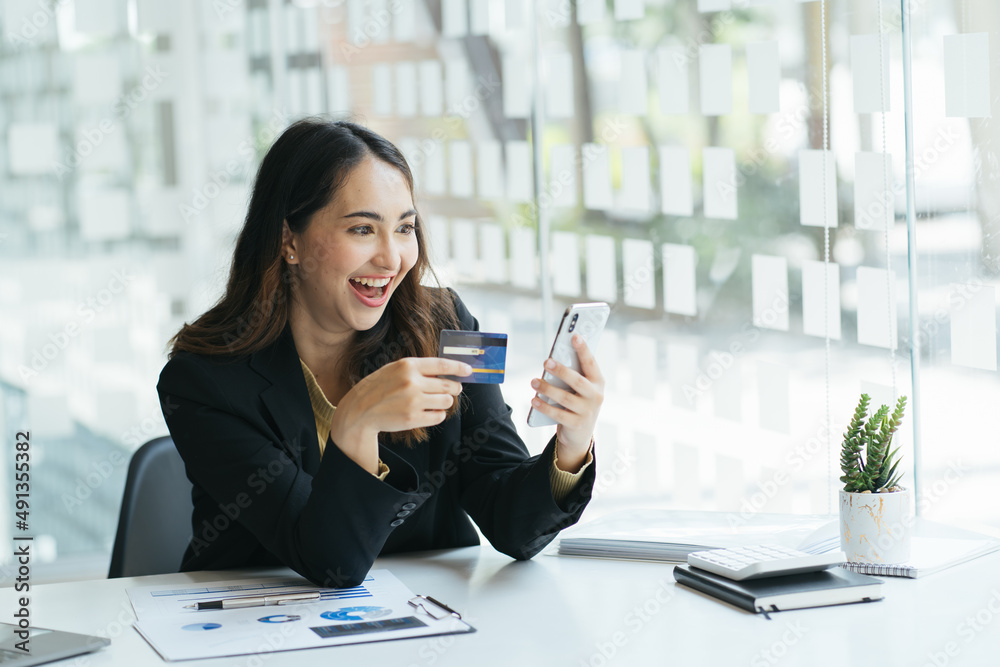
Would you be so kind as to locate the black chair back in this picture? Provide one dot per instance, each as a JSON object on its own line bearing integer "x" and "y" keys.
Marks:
{"x": 154, "y": 527}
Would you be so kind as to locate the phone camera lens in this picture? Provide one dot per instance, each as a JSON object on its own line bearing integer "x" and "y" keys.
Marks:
{"x": 572, "y": 323}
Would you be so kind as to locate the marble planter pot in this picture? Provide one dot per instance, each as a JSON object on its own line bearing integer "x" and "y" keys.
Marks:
{"x": 876, "y": 527}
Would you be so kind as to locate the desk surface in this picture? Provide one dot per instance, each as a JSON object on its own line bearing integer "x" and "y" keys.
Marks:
{"x": 592, "y": 613}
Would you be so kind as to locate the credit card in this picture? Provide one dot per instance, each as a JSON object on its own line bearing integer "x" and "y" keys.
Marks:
{"x": 485, "y": 352}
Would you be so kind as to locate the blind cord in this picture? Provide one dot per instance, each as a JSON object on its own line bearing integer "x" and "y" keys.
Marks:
{"x": 826, "y": 268}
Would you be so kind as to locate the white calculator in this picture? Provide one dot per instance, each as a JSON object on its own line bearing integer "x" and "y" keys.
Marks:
{"x": 757, "y": 562}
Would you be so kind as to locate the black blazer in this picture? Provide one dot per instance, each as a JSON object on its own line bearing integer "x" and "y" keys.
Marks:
{"x": 262, "y": 496}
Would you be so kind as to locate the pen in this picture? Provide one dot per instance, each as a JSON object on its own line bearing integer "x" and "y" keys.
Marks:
{"x": 444, "y": 606}
{"x": 255, "y": 601}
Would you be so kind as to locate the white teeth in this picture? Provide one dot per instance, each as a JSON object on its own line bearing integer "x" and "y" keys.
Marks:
{"x": 372, "y": 282}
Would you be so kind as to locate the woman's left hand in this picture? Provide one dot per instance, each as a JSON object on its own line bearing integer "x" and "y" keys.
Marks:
{"x": 578, "y": 416}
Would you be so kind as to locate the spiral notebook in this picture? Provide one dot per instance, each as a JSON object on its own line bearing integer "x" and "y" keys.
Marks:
{"x": 935, "y": 547}
{"x": 930, "y": 555}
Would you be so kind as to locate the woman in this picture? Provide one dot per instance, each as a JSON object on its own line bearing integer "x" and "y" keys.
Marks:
{"x": 307, "y": 405}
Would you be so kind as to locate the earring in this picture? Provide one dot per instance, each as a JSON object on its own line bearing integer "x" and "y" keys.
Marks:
{"x": 291, "y": 257}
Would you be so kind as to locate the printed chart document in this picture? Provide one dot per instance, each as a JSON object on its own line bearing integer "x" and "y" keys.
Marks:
{"x": 377, "y": 610}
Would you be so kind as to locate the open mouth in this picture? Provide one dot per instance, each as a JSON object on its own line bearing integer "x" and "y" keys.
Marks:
{"x": 371, "y": 290}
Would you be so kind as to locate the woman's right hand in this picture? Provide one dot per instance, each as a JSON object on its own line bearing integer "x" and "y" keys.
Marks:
{"x": 401, "y": 395}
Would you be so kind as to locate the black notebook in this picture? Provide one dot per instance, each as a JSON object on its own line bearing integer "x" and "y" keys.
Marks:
{"x": 796, "y": 591}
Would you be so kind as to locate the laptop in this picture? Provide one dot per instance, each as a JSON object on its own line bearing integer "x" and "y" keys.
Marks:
{"x": 44, "y": 645}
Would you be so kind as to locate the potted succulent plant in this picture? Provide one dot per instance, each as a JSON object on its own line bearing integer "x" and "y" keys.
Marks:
{"x": 876, "y": 517}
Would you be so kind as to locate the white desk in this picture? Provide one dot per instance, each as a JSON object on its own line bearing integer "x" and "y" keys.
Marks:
{"x": 565, "y": 611}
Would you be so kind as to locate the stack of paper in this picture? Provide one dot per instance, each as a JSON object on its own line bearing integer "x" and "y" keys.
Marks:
{"x": 664, "y": 535}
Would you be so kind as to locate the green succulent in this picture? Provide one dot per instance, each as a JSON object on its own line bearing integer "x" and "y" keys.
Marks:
{"x": 865, "y": 458}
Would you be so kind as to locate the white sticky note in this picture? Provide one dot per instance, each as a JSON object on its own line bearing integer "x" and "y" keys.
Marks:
{"x": 338, "y": 88}
{"x": 105, "y": 214}
{"x": 715, "y": 66}
{"x": 687, "y": 476}
{"x": 682, "y": 373}
{"x": 719, "y": 190}
{"x": 641, "y": 351}
{"x": 773, "y": 396}
{"x": 876, "y": 307}
{"x": 516, "y": 86}
{"x": 679, "y": 293}
{"x": 435, "y": 175}
{"x": 565, "y": 263}
{"x": 730, "y": 483}
{"x": 874, "y": 197}
{"x": 589, "y": 11}
{"x": 870, "y": 71}
{"x": 769, "y": 278}
{"x": 454, "y": 19}
{"x": 479, "y": 17}
{"x": 33, "y": 148}
{"x": 410, "y": 148}
{"x": 99, "y": 16}
{"x": 602, "y": 268}
{"x": 675, "y": 181}
{"x": 523, "y": 258}
{"x": 489, "y": 170}
{"x": 632, "y": 86}
{"x": 727, "y": 386}
{"x": 764, "y": 72}
{"x": 559, "y": 85}
{"x": 879, "y": 395}
{"x": 436, "y": 236}
{"x": 820, "y": 289}
{"x": 431, "y": 88}
{"x": 382, "y": 90}
{"x": 456, "y": 84}
{"x": 714, "y": 5}
{"x": 514, "y": 14}
{"x": 295, "y": 81}
{"x": 154, "y": 16}
{"x": 639, "y": 273}
{"x": 519, "y": 173}
{"x": 561, "y": 184}
{"x": 463, "y": 243}
{"x": 493, "y": 245}
{"x": 629, "y": 10}
{"x": 672, "y": 64}
{"x": 404, "y": 22}
{"x": 460, "y": 168}
{"x": 50, "y": 415}
{"x": 378, "y": 12}
{"x": 974, "y": 326}
{"x": 967, "y": 75}
{"x": 313, "y": 81}
{"x": 596, "y": 177}
{"x": 97, "y": 78}
{"x": 406, "y": 89}
{"x": 635, "y": 190}
{"x": 817, "y": 185}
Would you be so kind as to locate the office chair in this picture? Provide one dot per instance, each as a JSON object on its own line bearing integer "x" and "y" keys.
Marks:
{"x": 154, "y": 527}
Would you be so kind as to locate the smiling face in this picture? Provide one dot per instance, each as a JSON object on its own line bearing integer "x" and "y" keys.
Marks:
{"x": 354, "y": 252}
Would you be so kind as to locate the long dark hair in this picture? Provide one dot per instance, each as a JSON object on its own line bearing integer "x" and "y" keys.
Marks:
{"x": 301, "y": 174}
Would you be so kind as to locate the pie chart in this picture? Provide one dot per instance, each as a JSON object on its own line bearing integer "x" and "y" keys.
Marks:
{"x": 201, "y": 626}
{"x": 279, "y": 618}
{"x": 356, "y": 613}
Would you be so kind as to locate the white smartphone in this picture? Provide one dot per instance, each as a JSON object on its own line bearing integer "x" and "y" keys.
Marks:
{"x": 586, "y": 319}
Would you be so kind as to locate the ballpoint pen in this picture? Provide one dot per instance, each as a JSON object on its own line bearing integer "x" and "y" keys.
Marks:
{"x": 256, "y": 601}
{"x": 440, "y": 605}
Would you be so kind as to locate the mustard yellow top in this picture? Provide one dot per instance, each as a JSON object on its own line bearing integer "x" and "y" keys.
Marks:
{"x": 562, "y": 482}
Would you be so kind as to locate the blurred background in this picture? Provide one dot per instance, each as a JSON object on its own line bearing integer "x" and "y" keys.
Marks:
{"x": 661, "y": 155}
